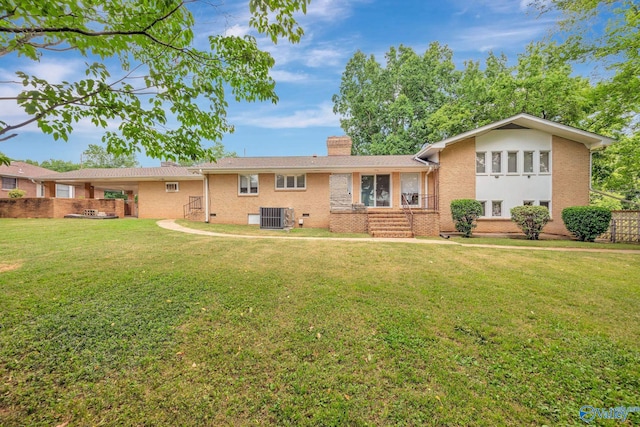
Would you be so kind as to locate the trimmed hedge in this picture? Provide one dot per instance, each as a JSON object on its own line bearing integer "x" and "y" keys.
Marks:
{"x": 586, "y": 222}
{"x": 464, "y": 213}
{"x": 530, "y": 219}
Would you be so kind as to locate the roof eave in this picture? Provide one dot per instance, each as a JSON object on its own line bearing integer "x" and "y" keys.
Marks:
{"x": 590, "y": 140}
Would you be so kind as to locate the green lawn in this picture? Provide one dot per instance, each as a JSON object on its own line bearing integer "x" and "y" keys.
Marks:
{"x": 255, "y": 230}
{"x": 121, "y": 323}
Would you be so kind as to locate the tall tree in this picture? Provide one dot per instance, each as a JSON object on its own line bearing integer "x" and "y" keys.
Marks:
{"x": 415, "y": 100}
{"x": 385, "y": 110}
{"x": 607, "y": 33}
{"x": 143, "y": 70}
{"x": 55, "y": 165}
{"x": 96, "y": 156}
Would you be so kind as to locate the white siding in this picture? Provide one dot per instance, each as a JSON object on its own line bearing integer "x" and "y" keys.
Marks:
{"x": 513, "y": 189}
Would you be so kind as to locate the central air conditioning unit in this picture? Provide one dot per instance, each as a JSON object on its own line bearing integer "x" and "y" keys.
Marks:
{"x": 276, "y": 218}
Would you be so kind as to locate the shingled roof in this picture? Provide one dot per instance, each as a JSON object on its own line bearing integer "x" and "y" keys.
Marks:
{"x": 311, "y": 163}
{"x": 19, "y": 169}
{"x": 174, "y": 172}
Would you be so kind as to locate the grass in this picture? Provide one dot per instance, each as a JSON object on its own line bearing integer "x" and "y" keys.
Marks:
{"x": 124, "y": 323}
{"x": 549, "y": 243}
{"x": 255, "y": 230}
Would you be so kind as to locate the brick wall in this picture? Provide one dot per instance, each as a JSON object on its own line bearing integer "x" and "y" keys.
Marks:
{"x": 155, "y": 202}
{"x": 231, "y": 208}
{"x": 56, "y": 208}
{"x": 570, "y": 178}
{"x": 426, "y": 223}
{"x": 457, "y": 178}
{"x": 23, "y": 184}
{"x": 348, "y": 222}
{"x": 496, "y": 226}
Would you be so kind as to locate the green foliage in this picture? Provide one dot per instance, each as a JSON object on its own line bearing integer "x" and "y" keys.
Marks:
{"x": 602, "y": 201}
{"x": 586, "y": 222}
{"x": 605, "y": 34}
{"x": 60, "y": 165}
{"x": 385, "y": 110}
{"x": 415, "y": 99}
{"x": 97, "y": 157}
{"x": 530, "y": 219}
{"x": 163, "y": 93}
{"x": 115, "y": 195}
{"x": 464, "y": 213}
{"x": 16, "y": 193}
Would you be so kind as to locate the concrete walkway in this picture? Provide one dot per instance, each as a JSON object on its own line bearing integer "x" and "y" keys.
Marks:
{"x": 170, "y": 224}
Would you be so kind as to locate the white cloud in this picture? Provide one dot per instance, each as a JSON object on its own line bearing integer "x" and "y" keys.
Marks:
{"x": 55, "y": 71}
{"x": 500, "y": 35}
{"x": 283, "y": 76}
{"x": 237, "y": 30}
{"x": 322, "y": 116}
{"x": 323, "y": 57}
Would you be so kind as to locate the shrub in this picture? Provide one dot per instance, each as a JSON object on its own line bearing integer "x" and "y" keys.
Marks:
{"x": 586, "y": 222}
{"x": 530, "y": 219}
{"x": 16, "y": 193}
{"x": 464, "y": 213}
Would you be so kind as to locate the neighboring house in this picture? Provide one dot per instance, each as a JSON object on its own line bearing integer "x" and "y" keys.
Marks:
{"x": 520, "y": 160}
{"x": 161, "y": 191}
{"x": 22, "y": 176}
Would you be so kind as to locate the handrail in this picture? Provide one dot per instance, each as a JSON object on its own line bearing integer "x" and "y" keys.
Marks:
{"x": 195, "y": 202}
{"x": 406, "y": 208}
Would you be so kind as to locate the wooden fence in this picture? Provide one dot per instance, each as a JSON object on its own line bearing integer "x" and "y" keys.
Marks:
{"x": 624, "y": 227}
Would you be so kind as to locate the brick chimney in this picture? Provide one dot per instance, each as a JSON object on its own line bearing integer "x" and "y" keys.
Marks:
{"x": 339, "y": 146}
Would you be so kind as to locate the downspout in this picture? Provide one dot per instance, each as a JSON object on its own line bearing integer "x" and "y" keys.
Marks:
{"x": 206, "y": 197}
{"x": 436, "y": 185}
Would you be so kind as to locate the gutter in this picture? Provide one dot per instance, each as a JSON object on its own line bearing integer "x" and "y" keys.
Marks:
{"x": 431, "y": 165}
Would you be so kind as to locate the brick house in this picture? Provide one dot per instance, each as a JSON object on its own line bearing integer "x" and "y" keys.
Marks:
{"x": 519, "y": 160}
{"x": 23, "y": 176}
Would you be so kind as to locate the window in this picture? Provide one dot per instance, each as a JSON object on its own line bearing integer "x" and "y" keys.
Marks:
{"x": 481, "y": 163}
{"x": 410, "y": 188}
{"x": 527, "y": 203}
{"x": 64, "y": 191}
{"x": 512, "y": 162}
{"x": 171, "y": 187}
{"x": 544, "y": 162}
{"x": 39, "y": 190}
{"x": 248, "y": 184}
{"x": 9, "y": 183}
{"x": 496, "y": 162}
{"x": 483, "y": 210}
{"x": 375, "y": 190}
{"x": 296, "y": 182}
{"x": 496, "y": 208}
{"x": 528, "y": 162}
{"x": 546, "y": 204}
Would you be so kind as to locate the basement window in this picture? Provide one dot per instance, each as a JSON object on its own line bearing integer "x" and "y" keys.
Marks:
{"x": 171, "y": 187}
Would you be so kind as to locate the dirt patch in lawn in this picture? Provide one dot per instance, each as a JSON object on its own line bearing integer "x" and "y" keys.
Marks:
{"x": 9, "y": 267}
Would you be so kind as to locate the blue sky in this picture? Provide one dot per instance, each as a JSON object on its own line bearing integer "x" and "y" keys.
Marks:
{"x": 308, "y": 73}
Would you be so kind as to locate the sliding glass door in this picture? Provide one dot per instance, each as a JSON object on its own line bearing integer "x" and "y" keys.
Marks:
{"x": 375, "y": 190}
